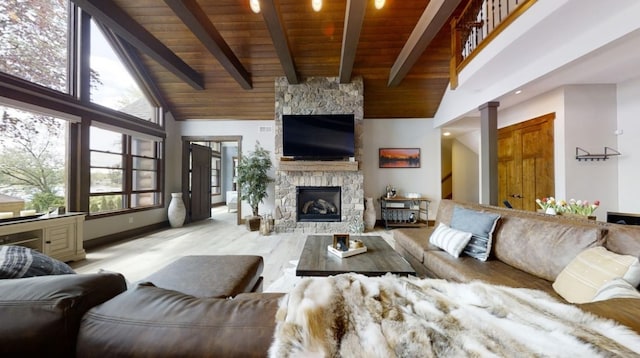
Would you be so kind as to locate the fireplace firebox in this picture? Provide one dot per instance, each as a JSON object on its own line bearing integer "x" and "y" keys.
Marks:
{"x": 318, "y": 203}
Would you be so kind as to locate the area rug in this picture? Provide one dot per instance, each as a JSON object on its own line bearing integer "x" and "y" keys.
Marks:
{"x": 351, "y": 315}
{"x": 287, "y": 281}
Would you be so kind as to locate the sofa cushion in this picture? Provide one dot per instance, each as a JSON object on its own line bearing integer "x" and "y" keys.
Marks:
{"x": 622, "y": 310}
{"x": 154, "y": 322}
{"x": 42, "y": 314}
{"x": 211, "y": 275}
{"x": 466, "y": 268}
{"x": 616, "y": 288}
{"x": 481, "y": 225}
{"x": 623, "y": 239}
{"x": 541, "y": 245}
{"x": 591, "y": 269}
{"x": 20, "y": 262}
{"x": 450, "y": 240}
{"x": 414, "y": 241}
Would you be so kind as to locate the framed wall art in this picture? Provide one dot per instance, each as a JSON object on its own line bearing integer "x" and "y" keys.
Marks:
{"x": 399, "y": 157}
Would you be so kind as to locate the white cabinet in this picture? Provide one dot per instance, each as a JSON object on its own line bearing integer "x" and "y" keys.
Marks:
{"x": 58, "y": 236}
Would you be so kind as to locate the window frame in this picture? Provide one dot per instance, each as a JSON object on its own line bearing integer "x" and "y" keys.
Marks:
{"x": 76, "y": 104}
{"x": 127, "y": 157}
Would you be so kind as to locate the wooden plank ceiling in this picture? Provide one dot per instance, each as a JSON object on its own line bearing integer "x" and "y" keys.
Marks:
{"x": 315, "y": 41}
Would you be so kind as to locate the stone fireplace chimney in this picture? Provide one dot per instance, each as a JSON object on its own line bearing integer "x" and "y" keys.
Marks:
{"x": 318, "y": 95}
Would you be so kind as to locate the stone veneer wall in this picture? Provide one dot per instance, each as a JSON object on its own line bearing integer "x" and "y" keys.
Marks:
{"x": 318, "y": 95}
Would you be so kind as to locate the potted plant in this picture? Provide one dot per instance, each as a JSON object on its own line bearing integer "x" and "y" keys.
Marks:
{"x": 253, "y": 181}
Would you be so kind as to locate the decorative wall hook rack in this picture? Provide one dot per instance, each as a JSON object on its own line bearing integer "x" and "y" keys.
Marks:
{"x": 582, "y": 154}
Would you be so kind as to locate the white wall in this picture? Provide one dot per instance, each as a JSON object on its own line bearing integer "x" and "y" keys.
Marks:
{"x": 465, "y": 169}
{"x": 590, "y": 122}
{"x": 628, "y": 103}
{"x": 250, "y": 131}
{"x": 402, "y": 133}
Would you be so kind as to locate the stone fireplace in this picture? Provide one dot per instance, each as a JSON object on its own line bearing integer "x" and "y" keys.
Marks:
{"x": 318, "y": 95}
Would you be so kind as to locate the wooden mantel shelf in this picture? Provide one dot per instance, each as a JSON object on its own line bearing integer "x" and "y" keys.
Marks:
{"x": 317, "y": 165}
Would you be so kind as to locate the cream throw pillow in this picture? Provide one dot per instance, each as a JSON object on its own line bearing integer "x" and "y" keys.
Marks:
{"x": 450, "y": 240}
{"x": 581, "y": 279}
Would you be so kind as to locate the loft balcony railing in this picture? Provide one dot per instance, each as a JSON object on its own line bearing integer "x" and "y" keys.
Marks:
{"x": 478, "y": 23}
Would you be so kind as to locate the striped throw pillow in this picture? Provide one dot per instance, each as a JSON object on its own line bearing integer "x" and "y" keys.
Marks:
{"x": 450, "y": 240}
{"x": 616, "y": 288}
{"x": 581, "y": 279}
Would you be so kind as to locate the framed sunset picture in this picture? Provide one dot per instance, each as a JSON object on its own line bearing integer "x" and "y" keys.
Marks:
{"x": 399, "y": 157}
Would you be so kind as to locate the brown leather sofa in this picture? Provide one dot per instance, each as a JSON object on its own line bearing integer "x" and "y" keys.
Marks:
{"x": 529, "y": 250}
{"x": 197, "y": 306}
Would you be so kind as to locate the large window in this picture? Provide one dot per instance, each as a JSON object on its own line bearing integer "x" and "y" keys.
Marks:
{"x": 45, "y": 159}
{"x": 114, "y": 87}
{"x": 33, "y": 165}
{"x": 34, "y": 41}
{"x": 125, "y": 171}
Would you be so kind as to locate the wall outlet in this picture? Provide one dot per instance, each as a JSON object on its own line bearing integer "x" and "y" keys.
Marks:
{"x": 130, "y": 219}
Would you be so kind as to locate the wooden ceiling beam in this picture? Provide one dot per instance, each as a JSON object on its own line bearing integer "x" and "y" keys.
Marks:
{"x": 198, "y": 22}
{"x": 353, "y": 19}
{"x": 434, "y": 17}
{"x": 109, "y": 14}
{"x": 275, "y": 26}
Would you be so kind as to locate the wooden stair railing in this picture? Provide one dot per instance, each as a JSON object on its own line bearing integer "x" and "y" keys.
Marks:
{"x": 476, "y": 26}
{"x": 446, "y": 185}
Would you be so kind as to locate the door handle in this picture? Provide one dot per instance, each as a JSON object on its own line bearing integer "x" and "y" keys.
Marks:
{"x": 517, "y": 196}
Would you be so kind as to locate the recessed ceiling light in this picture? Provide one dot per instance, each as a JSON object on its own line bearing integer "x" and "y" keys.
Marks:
{"x": 316, "y": 5}
{"x": 518, "y": 92}
{"x": 446, "y": 134}
{"x": 255, "y": 6}
{"x": 379, "y": 4}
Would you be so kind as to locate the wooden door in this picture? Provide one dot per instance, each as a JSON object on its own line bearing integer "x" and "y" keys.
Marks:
{"x": 525, "y": 162}
{"x": 200, "y": 183}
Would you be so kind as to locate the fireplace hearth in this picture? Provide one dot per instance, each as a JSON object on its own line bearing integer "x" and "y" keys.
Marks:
{"x": 318, "y": 203}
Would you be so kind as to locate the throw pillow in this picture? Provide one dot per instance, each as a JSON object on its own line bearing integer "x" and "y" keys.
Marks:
{"x": 481, "y": 226}
{"x": 581, "y": 279}
{"x": 20, "y": 261}
{"x": 450, "y": 240}
{"x": 616, "y": 288}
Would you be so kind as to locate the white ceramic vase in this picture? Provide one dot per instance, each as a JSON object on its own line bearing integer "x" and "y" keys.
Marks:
{"x": 177, "y": 212}
{"x": 369, "y": 214}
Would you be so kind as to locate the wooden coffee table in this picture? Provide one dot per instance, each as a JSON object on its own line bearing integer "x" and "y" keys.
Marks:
{"x": 379, "y": 259}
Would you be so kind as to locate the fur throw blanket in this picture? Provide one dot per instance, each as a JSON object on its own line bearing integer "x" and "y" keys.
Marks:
{"x": 351, "y": 315}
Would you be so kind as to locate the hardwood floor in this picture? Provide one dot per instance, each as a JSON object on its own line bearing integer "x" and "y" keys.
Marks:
{"x": 139, "y": 257}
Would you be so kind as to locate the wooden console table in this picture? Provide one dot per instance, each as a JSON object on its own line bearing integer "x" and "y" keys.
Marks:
{"x": 57, "y": 236}
{"x": 398, "y": 211}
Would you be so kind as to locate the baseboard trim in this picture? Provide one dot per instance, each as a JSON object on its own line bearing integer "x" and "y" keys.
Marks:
{"x": 124, "y": 235}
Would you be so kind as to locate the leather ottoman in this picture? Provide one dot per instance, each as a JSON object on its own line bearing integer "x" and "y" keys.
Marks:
{"x": 211, "y": 275}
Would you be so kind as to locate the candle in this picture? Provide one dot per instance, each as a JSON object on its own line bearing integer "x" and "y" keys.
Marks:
{"x": 6, "y": 214}
{"x": 27, "y": 212}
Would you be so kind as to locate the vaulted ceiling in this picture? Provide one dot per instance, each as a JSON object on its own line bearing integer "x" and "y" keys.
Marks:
{"x": 216, "y": 59}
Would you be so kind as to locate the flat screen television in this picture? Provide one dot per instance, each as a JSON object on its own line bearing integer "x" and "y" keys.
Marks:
{"x": 623, "y": 218}
{"x": 318, "y": 136}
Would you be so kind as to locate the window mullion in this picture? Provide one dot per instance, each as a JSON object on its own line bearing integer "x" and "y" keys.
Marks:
{"x": 128, "y": 170}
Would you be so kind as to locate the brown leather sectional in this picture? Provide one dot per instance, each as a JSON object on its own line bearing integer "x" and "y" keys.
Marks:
{"x": 212, "y": 306}
{"x": 198, "y": 306}
{"x": 529, "y": 250}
